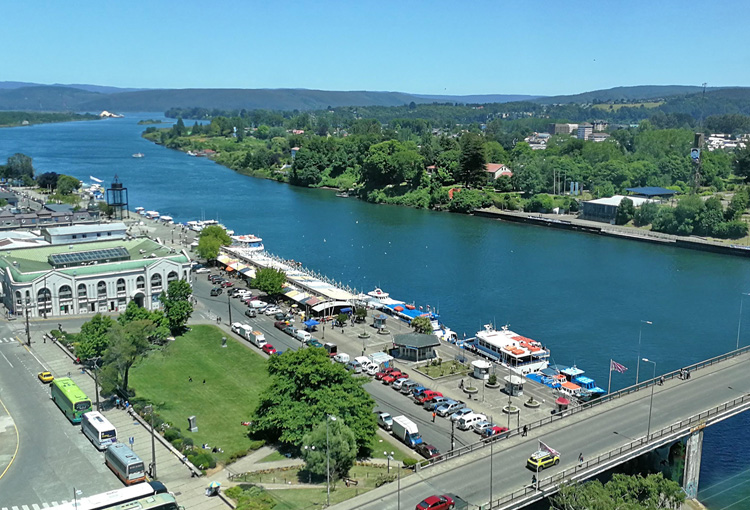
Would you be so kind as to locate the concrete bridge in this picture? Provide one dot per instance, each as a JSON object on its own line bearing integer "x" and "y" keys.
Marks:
{"x": 607, "y": 432}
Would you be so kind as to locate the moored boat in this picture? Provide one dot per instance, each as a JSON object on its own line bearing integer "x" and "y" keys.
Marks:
{"x": 138, "y": 155}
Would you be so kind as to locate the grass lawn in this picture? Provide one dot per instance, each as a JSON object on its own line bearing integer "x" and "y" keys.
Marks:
{"x": 315, "y": 497}
{"x": 234, "y": 377}
{"x": 273, "y": 457}
{"x": 446, "y": 368}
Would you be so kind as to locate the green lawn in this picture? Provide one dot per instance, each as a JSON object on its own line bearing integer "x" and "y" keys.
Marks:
{"x": 273, "y": 457}
{"x": 234, "y": 377}
{"x": 447, "y": 368}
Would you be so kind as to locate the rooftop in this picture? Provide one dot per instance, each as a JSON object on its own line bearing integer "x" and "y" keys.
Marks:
{"x": 416, "y": 340}
{"x": 85, "y": 229}
{"x": 615, "y": 200}
{"x": 652, "y": 191}
{"x": 30, "y": 262}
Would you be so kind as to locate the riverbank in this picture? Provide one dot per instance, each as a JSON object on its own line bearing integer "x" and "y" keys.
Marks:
{"x": 571, "y": 222}
{"x": 21, "y": 119}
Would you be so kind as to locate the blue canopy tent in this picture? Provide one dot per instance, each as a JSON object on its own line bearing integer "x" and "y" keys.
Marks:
{"x": 346, "y": 310}
{"x": 311, "y": 323}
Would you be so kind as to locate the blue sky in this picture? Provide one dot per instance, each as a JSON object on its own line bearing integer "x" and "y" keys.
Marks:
{"x": 439, "y": 47}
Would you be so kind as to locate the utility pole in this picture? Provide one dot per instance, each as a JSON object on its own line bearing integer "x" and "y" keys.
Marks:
{"x": 453, "y": 427}
{"x": 229, "y": 305}
{"x": 28, "y": 334}
{"x": 96, "y": 380}
{"x": 150, "y": 409}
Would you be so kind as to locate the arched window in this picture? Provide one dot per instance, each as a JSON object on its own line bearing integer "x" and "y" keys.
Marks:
{"x": 66, "y": 292}
{"x": 172, "y": 276}
{"x": 101, "y": 289}
{"x": 156, "y": 282}
{"x": 43, "y": 295}
{"x": 140, "y": 283}
{"x": 19, "y": 299}
{"x": 81, "y": 291}
{"x": 120, "y": 285}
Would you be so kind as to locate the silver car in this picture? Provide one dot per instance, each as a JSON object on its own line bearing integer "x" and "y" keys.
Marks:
{"x": 460, "y": 413}
{"x": 385, "y": 420}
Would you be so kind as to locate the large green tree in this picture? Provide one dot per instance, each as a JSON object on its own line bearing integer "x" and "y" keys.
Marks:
{"x": 622, "y": 492}
{"x": 269, "y": 280}
{"x": 335, "y": 447}
{"x": 305, "y": 388}
{"x": 67, "y": 184}
{"x": 210, "y": 241}
{"x": 127, "y": 345}
{"x": 741, "y": 163}
{"x": 472, "y": 163}
{"x": 177, "y": 306}
{"x": 421, "y": 325}
{"x": 93, "y": 339}
{"x": 133, "y": 312}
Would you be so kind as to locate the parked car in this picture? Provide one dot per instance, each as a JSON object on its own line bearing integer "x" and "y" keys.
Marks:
{"x": 280, "y": 325}
{"x": 479, "y": 426}
{"x": 373, "y": 369}
{"x": 290, "y": 330}
{"x": 389, "y": 378}
{"x": 449, "y": 407}
{"x": 213, "y": 277}
{"x": 341, "y": 357}
{"x": 427, "y": 451}
{"x": 460, "y": 413}
{"x": 271, "y": 310}
{"x": 432, "y": 405}
{"x": 201, "y": 270}
{"x": 250, "y": 313}
{"x": 408, "y": 386}
{"x": 216, "y": 291}
{"x": 443, "y": 502}
{"x": 226, "y": 284}
{"x": 426, "y": 396}
{"x": 46, "y": 377}
{"x": 379, "y": 376}
{"x": 280, "y": 317}
{"x": 268, "y": 349}
{"x": 385, "y": 420}
{"x": 494, "y": 431}
{"x": 398, "y": 383}
{"x": 314, "y": 343}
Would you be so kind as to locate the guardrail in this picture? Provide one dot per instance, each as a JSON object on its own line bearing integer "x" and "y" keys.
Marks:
{"x": 660, "y": 436}
{"x": 584, "y": 406}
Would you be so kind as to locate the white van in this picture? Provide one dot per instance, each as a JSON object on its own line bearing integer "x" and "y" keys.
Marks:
{"x": 364, "y": 362}
{"x": 302, "y": 335}
{"x": 354, "y": 366}
{"x": 341, "y": 357}
{"x": 257, "y": 304}
{"x": 470, "y": 419}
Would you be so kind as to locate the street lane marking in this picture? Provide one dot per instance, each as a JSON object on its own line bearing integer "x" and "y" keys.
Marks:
{"x": 17, "y": 441}
{"x": 35, "y": 506}
{"x": 6, "y": 359}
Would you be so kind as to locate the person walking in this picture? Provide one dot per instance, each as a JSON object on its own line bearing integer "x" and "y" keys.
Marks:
{"x": 433, "y": 416}
{"x": 580, "y": 459}
{"x": 525, "y": 431}
{"x": 190, "y": 379}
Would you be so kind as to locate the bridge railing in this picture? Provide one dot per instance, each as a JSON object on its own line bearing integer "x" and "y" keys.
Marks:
{"x": 680, "y": 374}
{"x": 567, "y": 475}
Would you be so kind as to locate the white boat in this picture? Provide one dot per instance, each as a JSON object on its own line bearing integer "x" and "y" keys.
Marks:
{"x": 140, "y": 210}
{"x": 166, "y": 219}
{"x": 248, "y": 241}
{"x": 138, "y": 155}
{"x": 378, "y": 294}
{"x": 152, "y": 215}
{"x": 520, "y": 354}
{"x": 191, "y": 153}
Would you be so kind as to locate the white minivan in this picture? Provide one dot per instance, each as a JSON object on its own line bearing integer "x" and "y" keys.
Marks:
{"x": 302, "y": 335}
{"x": 470, "y": 419}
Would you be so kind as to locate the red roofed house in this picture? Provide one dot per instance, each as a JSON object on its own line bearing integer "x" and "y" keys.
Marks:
{"x": 495, "y": 170}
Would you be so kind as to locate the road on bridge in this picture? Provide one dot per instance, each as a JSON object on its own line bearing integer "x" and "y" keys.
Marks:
{"x": 592, "y": 432}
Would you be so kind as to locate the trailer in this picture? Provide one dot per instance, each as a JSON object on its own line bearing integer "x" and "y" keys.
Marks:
{"x": 407, "y": 431}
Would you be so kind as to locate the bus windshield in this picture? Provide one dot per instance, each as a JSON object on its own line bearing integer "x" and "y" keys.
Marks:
{"x": 108, "y": 434}
{"x": 83, "y": 405}
{"x": 135, "y": 468}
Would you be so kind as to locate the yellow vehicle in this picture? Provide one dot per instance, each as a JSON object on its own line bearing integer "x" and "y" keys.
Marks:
{"x": 46, "y": 377}
{"x": 542, "y": 459}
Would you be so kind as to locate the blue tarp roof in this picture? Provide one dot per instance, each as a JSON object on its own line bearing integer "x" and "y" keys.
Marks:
{"x": 652, "y": 191}
{"x": 311, "y": 322}
{"x": 411, "y": 314}
{"x": 346, "y": 310}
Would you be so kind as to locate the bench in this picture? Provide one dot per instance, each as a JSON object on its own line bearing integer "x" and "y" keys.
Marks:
{"x": 350, "y": 481}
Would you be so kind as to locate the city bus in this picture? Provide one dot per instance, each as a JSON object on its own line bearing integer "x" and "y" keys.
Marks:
{"x": 98, "y": 429}
{"x": 107, "y": 500}
{"x": 155, "y": 502}
{"x": 69, "y": 398}
{"x": 125, "y": 464}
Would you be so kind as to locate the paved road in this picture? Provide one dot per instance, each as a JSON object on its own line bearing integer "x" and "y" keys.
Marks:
{"x": 53, "y": 456}
{"x": 591, "y": 432}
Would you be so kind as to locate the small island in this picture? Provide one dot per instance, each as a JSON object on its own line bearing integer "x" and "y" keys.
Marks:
{"x": 146, "y": 122}
{"x": 14, "y": 119}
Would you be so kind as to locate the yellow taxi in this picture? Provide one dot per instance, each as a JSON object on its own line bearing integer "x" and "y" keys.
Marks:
{"x": 543, "y": 459}
{"x": 46, "y": 377}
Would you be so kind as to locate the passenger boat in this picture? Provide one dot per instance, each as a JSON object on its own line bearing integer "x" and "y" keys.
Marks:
{"x": 152, "y": 215}
{"x": 140, "y": 210}
{"x": 138, "y": 155}
{"x": 248, "y": 242}
{"x": 520, "y": 354}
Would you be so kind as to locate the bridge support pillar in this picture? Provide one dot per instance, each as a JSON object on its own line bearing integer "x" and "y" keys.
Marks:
{"x": 693, "y": 452}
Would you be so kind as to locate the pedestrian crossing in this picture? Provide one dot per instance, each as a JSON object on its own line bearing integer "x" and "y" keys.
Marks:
{"x": 6, "y": 340}
{"x": 35, "y": 506}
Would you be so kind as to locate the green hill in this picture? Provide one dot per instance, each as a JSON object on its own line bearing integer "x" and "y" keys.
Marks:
{"x": 636, "y": 93}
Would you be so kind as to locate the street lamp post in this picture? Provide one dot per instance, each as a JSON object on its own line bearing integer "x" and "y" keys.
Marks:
{"x": 309, "y": 473}
{"x": 150, "y": 410}
{"x": 76, "y": 494}
{"x": 96, "y": 379}
{"x": 26, "y": 313}
{"x": 638, "y": 366}
{"x": 491, "y": 463}
{"x": 389, "y": 458}
{"x": 651, "y": 404}
{"x": 739, "y": 320}
{"x": 328, "y": 463}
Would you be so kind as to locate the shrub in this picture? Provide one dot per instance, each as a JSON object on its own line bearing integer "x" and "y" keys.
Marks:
{"x": 236, "y": 456}
{"x": 172, "y": 434}
{"x": 234, "y": 492}
{"x": 410, "y": 462}
{"x": 177, "y": 443}
{"x": 493, "y": 379}
{"x": 256, "y": 445}
{"x": 187, "y": 441}
{"x": 203, "y": 459}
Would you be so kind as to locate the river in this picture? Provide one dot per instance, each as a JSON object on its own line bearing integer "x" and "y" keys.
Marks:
{"x": 583, "y": 296}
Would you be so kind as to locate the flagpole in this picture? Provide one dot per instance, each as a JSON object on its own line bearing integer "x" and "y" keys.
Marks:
{"x": 609, "y": 384}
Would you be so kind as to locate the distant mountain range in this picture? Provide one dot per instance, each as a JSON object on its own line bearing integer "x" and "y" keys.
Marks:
{"x": 94, "y": 98}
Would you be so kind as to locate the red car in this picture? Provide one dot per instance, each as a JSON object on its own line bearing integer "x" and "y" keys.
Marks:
{"x": 268, "y": 349}
{"x": 426, "y": 396}
{"x": 427, "y": 451}
{"x": 493, "y": 431}
{"x": 379, "y": 376}
{"x": 436, "y": 503}
{"x": 389, "y": 378}
{"x": 280, "y": 324}
{"x": 226, "y": 284}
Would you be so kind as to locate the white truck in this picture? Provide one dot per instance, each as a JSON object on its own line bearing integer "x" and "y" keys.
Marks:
{"x": 407, "y": 431}
{"x": 257, "y": 338}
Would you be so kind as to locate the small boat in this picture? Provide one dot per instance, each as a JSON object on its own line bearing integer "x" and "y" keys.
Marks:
{"x": 138, "y": 155}
{"x": 342, "y": 194}
{"x": 140, "y": 210}
{"x": 191, "y": 153}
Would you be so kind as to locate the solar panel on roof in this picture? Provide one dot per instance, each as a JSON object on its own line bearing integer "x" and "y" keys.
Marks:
{"x": 82, "y": 257}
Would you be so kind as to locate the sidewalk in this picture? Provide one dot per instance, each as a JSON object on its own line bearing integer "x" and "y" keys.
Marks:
{"x": 189, "y": 490}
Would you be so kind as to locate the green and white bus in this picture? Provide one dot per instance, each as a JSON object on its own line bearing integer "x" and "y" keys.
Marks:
{"x": 155, "y": 502}
{"x": 70, "y": 399}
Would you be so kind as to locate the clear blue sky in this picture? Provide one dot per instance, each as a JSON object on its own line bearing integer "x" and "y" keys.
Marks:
{"x": 439, "y": 47}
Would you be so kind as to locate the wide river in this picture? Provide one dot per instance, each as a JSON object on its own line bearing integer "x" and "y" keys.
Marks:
{"x": 583, "y": 296}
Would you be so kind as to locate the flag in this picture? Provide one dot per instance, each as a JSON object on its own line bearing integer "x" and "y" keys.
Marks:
{"x": 616, "y": 366}
{"x": 546, "y": 448}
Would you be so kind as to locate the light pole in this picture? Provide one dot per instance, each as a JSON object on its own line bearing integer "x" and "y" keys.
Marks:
{"x": 651, "y": 405}
{"x": 26, "y": 313}
{"x": 150, "y": 410}
{"x": 309, "y": 473}
{"x": 389, "y": 458}
{"x": 638, "y": 366}
{"x": 491, "y": 463}
{"x": 76, "y": 494}
{"x": 739, "y": 321}
{"x": 328, "y": 463}
{"x": 96, "y": 379}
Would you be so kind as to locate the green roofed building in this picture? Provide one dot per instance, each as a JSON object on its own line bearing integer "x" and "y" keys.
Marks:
{"x": 92, "y": 277}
